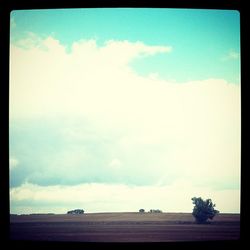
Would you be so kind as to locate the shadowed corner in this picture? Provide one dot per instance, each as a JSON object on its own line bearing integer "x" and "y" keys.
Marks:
{"x": 79, "y": 245}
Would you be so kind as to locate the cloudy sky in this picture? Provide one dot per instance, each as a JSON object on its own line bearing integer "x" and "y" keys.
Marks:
{"x": 122, "y": 109}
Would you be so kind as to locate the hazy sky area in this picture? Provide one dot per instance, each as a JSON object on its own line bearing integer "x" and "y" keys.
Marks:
{"x": 122, "y": 109}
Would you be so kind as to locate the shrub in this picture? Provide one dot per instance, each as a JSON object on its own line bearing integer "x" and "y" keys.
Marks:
{"x": 155, "y": 211}
{"x": 76, "y": 211}
{"x": 203, "y": 210}
{"x": 141, "y": 210}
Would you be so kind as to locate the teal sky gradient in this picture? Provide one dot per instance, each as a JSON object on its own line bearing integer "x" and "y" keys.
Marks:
{"x": 201, "y": 39}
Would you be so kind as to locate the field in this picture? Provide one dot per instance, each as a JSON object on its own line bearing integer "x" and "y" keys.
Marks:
{"x": 123, "y": 227}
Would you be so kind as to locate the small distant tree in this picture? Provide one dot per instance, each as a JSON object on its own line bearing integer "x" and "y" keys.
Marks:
{"x": 141, "y": 210}
{"x": 155, "y": 211}
{"x": 76, "y": 211}
{"x": 203, "y": 210}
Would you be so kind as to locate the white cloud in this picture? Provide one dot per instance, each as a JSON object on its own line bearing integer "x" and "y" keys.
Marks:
{"x": 87, "y": 80}
{"x": 30, "y": 41}
{"x": 232, "y": 55}
{"x": 154, "y": 76}
{"x": 162, "y": 129}
{"x": 13, "y": 163}
{"x": 115, "y": 197}
{"x": 115, "y": 164}
{"x": 125, "y": 51}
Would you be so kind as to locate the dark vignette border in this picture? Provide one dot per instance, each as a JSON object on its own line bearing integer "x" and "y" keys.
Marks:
{"x": 6, "y": 6}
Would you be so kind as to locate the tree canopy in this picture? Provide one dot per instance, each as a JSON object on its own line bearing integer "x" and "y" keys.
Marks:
{"x": 203, "y": 209}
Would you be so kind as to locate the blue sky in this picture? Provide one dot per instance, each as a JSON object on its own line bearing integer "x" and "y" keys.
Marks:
{"x": 116, "y": 104}
{"x": 201, "y": 39}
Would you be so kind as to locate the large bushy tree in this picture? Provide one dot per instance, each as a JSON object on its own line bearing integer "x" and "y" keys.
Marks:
{"x": 203, "y": 210}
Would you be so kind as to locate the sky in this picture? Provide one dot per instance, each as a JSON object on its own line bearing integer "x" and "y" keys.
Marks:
{"x": 114, "y": 110}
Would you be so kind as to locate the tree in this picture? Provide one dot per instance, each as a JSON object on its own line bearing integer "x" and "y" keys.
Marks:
{"x": 155, "y": 211}
{"x": 203, "y": 210}
{"x": 141, "y": 210}
{"x": 76, "y": 211}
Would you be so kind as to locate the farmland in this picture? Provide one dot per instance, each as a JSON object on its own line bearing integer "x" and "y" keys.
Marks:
{"x": 123, "y": 227}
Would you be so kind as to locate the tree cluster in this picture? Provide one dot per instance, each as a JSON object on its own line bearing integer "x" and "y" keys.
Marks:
{"x": 76, "y": 211}
{"x": 150, "y": 211}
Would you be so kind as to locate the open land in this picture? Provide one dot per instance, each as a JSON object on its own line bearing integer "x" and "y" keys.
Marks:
{"x": 123, "y": 227}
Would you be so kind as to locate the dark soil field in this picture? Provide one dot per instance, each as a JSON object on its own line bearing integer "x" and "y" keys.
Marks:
{"x": 123, "y": 227}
